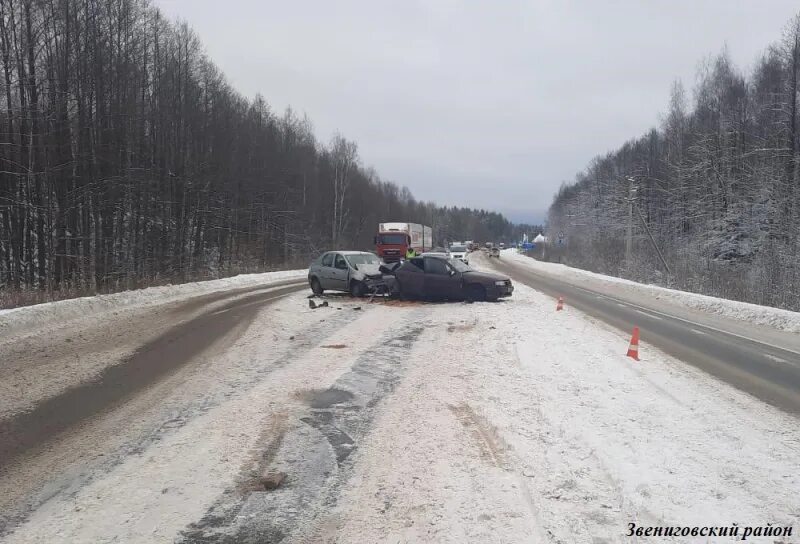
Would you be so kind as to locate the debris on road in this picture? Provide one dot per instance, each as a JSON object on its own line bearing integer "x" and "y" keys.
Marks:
{"x": 272, "y": 480}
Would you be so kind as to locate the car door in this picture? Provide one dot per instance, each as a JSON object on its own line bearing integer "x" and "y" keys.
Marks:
{"x": 411, "y": 278}
{"x": 325, "y": 274}
{"x": 340, "y": 273}
{"x": 441, "y": 280}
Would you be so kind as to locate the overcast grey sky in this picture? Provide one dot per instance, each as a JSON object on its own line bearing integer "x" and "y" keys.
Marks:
{"x": 486, "y": 104}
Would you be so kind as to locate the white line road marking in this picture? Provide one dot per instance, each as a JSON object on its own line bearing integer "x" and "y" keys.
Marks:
{"x": 687, "y": 321}
{"x": 774, "y": 358}
{"x": 707, "y": 327}
{"x": 622, "y": 305}
{"x": 697, "y": 332}
{"x": 649, "y": 315}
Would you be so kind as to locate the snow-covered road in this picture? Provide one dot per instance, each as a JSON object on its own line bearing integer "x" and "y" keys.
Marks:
{"x": 411, "y": 422}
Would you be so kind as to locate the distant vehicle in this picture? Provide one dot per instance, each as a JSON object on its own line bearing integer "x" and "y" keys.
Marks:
{"x": 494, "y": 252}
{"x": 348, "y": 271}
{"x": 394, "y": 239}
{"x": 470, "y": 245}
{"x": 435, "y": 277}
{"x": 436, "y": 253}
{"x": 489, "y": 245}
{"x": 502, "y": 245}
{"x": 459, "y": 252}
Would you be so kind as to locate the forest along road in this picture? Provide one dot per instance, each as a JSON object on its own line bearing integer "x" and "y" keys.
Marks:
{"x": 765, "y": 365}
{"x": 54, "y": 414}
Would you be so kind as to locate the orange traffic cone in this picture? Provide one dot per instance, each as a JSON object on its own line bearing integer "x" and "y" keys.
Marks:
{"x": 560, "y": 305}
{"x": 633, "y": 349}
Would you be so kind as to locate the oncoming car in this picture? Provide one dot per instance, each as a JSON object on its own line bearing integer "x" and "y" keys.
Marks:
{"x": 459, "y": 252}
{"x": 348, "y": 271}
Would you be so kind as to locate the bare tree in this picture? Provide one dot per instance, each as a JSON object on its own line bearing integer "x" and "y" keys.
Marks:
{"x": 344, "y": 155}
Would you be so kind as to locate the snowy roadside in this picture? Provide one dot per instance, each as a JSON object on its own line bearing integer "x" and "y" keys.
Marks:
{"x": 519, "y": 424}
{"x": 52, "y": 312}
{"x": 49, "y": 348}
{"x": 784, "y": 320}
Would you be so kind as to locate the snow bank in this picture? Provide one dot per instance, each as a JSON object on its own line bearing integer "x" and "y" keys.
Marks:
{"x": 62, "y": 310}
{"x": 784, "y": 320}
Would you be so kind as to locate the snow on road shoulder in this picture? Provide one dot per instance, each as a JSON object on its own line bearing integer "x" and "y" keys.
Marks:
{"x": 520, "y": 424}
{"x": 671, "y": 445}
{"x": 51, "y": 312}
{"x": 784, "y": 320}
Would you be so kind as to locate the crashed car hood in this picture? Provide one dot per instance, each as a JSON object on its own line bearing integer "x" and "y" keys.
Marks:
{"x": 370, "y": 269}
{"x": 474, "y": 275}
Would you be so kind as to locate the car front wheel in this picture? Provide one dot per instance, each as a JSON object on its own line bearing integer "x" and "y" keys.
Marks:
{"x": 475, "y": 293}
{"x": 316, "y": 286}
{"x": 357, "y": 289}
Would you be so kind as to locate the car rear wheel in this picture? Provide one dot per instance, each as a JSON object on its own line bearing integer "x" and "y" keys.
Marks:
{"x": 316, "y": 286}
{"x": 475, "y": 293}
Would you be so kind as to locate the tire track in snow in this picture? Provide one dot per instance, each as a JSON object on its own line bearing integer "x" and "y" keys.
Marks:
{"x": 484, "y": 434}
{"x": 316, "y": 450}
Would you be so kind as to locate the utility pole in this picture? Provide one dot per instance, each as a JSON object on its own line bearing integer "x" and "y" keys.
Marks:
{"x": 629, "y": 237}
{"x": 653, "y": 241}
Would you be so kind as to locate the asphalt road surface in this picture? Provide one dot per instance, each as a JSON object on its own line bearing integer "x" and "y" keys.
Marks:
{"x": 170, "y": 350}
{"x": 763, "y": 368}
{"x": 57, "y": 434}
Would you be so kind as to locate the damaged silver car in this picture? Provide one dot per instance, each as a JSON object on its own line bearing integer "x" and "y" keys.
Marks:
{"x": 349, "y": 271}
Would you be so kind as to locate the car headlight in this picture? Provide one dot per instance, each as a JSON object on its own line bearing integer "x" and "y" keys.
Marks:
{"x": 500, "y": 283}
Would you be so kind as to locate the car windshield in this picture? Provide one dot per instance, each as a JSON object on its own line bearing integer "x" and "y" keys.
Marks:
{"x": 458, "y": 249}
{"x": 362, "y": 258}
{"x": 395, "y": 239}
{"x": 459, "y": 265}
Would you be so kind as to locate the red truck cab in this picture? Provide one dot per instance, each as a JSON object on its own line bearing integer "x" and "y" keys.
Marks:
{"x": 394, "y": 239}
{"x": 392, "y": 246}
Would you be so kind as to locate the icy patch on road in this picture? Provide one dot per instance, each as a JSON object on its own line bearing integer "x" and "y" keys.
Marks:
{"x": 784, "y": 320}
